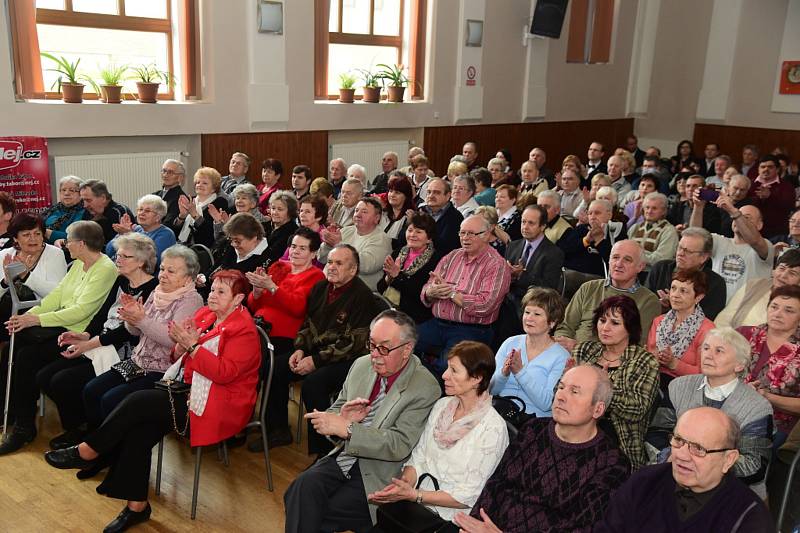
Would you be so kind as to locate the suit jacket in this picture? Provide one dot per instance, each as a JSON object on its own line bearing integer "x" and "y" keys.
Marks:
{"x": 543, "y": 269}
{"x": 384, "y": 446}
{"x": 171, "y": 196}
{"x": 601, "y": 168}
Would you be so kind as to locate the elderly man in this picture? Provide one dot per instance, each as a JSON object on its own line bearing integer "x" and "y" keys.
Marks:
{"x": 336, "y": 328}
{"x": 750, "y": 157}
{"x": 724, "y": 357}
{"x": 337, "y": 175}
{"x": 101, "y": 207}
{"x": 693, "y": 253}
{"x": 560, "y": 472}
{"x": 150, "y": 211}
{"x": 237, "y": 175}
{"x": 380, "y": 182}
{"x": 655, "y": 234}
{"x": 343, "y": 209}
{"x": 618, "y": 181}
{"x": 738, "y": 188}
{"x": 557, "y": 229}
{"x": 747, "y": 255}
{"x": 594, "y": 161}
{"x": 463, "y": 192}
{"x": 788, "y": 240}
{"x": 696, "y": 491}
{"x": 588, "y": 248}
{"x": 538, "y": 157}
{"x": 365, "y": 235}
{"x": 172, "y": 175}
{"x": 377, "y": 419}
{"x": 717, "y": 176}
{"x": 470, "y": 153}
{"x": 530, "y": 180}
{"x": 773, "y": 196}
{"x": 448, "y": 218}
{"x": 570, "y": 191}
{"x": 465, "y": 291}
{"x": 625, "y": 263}
{"x": 681, "y": 212}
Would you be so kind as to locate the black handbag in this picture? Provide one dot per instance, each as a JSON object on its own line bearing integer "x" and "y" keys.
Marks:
{"x": 129, "y": 370}
{"x": 512, "y": 409}
{"x": 180, "y": 389}
{"x": 410, "y": 517}
{"x": 173, "y": 386}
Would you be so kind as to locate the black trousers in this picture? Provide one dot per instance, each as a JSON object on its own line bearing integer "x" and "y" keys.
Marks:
{"x": 318, "y": 387}
{"x": 127, "y": 438}
{"x": 323, "y": 499}
{"x": 63, "y": 381}
{"x": 277, "y": 408}
{"x": 102, "y": 394}
{"x": 35, "y": 348}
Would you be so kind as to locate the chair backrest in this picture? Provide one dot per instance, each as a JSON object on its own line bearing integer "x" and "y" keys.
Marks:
{"x": 13, "y": 271}
{"x": 383, "y": 302}
{"x": 573, "y": 281}
{"x": 205, "y": 257}
{"x": 267, "y": 358}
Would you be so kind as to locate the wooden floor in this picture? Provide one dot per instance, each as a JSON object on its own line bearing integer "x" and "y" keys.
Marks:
{"x": 34, "y": 497}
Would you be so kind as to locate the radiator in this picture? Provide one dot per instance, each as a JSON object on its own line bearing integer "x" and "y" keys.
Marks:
{"x": 128, "y": 176}
{"x": 369, "y": 154}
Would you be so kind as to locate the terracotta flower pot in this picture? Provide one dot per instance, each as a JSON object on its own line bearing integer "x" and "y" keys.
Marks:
{"x": 396, "y": 93}
{"x": 372, "y": 95}
{"x": 72, "y": 93}
{"x": 346, "y": 96}
{"x": 111, "y": 94}
{"x": 148, "y": 92}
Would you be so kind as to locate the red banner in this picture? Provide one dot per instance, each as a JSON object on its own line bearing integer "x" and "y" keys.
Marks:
{"x": 25, "y": 172}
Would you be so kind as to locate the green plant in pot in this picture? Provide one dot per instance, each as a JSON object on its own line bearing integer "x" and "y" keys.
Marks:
{"x": 148, "y": 78}
{"x": 372, "y": 86}
{"x": 347, "y": 84}
{"x": 69, "y": 82}
{"x": 396, "y": 79}
{"x": 110, "y": 91}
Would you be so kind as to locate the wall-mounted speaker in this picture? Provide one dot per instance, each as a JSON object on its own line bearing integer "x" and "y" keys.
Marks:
{"x": 548, "y": 18}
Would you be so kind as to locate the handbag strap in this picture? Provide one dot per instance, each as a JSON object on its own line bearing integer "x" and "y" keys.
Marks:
{"x": 433, "y": 479}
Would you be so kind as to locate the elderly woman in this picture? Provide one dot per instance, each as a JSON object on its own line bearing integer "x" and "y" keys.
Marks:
{"x": 104, "y": 342}
{"x": 174, "y": 300}
{"x": 68, "y": 307}
{"x": 484, "y": 192}
{"x": 271, "y": 172}
{"x": 408, "y": 268}
{"x": 68, "y": 209}
{"x": 245, "y": 246}
{"x": 245, "y": 200}
{"x": 194, "y": 224}
{"x": 283, "y": 212}
{"x": 313, "y": 214}
{"x": 44, "y": 264}
{"x": 633, "y": 371}
{"x": 150, "y": 211}
{"x": 463, "y": 192}
{"x": 220, "y": 355}
{"x": 676, "y": 337}
{"x": 529, "y": 366}
{"x": 101, "y": 207}
{"x": 496, "y": 234}
{"x": 775, "y": 368}
{"x": 456, "y": 169}
{"x": 496, "y": 168}
{"x": 463, "y": 440}
{"x": 598, "y": 181}
{"x": 634, "y": 200}
{"x": 508, "y": 216}
{"x": 279, "y": 297}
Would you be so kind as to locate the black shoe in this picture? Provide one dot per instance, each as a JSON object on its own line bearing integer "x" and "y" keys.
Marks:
{"x": 67, "y": 458}
{"x": 127, "y": 519}
{"x": 68, "y": 438}
{"x": 16, "y": 438}
{"x": 97, "y": 466}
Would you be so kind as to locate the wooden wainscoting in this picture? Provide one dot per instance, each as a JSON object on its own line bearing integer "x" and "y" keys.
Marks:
{"x": 731, "y": 139}
{"x": 557, "y": 139}
{"x": 290, "y": 148}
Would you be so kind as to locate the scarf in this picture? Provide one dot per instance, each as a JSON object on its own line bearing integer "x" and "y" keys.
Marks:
{"x": 447, "y": 432}
{"x": 681, "y": 337}
{"x": 186, "y": 230}
{"x": 162, "y": 299}
{"x": 418, "y": 261}
{"x": 66, "y": 214}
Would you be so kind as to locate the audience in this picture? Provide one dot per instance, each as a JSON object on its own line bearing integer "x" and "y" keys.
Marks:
{"x": 470, "y": 153}
{"x": 681, "y": 212}
{"x": 447, "y": 217}
{"x": 570, "y": 192}
{"x": 420, "y": 177}
{"x": 507, "y": 213}
{"x": 684, "y": 157}
{"x": 341, "y": 214}
{"x": 618, "y": 181}
{"x": 150, "y": 211}
{"x": 655, "y": 234}
{"x": 301, "y": 182}
{"x": 271, "y": 172}
{"x": 737, "y": 188}
{"x": 237, "y": 174}
{"x": 789, "y": 240}
{"x": 173, "y": 173}
{"x": 67, "y": 210}
{"x": 282, "y": 215}
{"x": 463, "y": 195}
{"x": 773, "y": 196}
{"x": 99, "y": 206}
{"x": 399, "y": 201}
{"x": 338, "y": 173}
{"x": 389, "y": 163}
{"x": 484, "y": 192}
{"x": 558, "y": 230}
{"x": 194, "y": 224}
{"x": 538, "y": 157}
{"x": 588, "y": 248}
{"x": 531, "y": 182}
{"x": 496, "y": 168}
{"x": 244, "y": 247}
{"x": 594, "y": 161}
{"x": 245, "y": 200}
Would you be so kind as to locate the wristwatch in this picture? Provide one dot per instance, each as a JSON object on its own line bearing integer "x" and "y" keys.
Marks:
{"x": 452, "y": 295}
{"x": 349, "y": 430}
{"x": 273, "y": 290}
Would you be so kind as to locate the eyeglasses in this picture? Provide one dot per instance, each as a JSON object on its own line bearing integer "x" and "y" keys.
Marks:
{"x": 70, "y": 190}
{"x": 383, "y": 350}
{"x": 470, "y": 233}
{"x": 676, "y": 441}
{"x": 124, "y": 256}
{"x": 687, "y": 251}
{"x": 169, "y": 172}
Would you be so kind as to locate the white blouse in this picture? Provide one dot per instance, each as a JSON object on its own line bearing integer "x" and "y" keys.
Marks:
{"x": 49, "y": 271}
{"x": 462, "y": 470}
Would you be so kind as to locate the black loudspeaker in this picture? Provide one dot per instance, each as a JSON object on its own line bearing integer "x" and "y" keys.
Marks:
{"x": 548, "y": 17}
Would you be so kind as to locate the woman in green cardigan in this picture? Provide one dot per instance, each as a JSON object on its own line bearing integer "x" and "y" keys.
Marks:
{"x": 68, "y": 307}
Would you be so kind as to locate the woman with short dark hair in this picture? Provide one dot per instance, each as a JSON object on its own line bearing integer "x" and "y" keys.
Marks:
{"x": 399, "y": 200}
{"x": 283, "y": 212}
{"x": 271, "y": 172}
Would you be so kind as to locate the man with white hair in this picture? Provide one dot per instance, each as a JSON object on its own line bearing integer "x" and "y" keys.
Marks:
{"x": 173, "y": 173}
{"x": 338, "y": 174}
{"x": 657, "y": 237}
{"x": 237, "y": 173}
{"x": 380, "y": 182}
{"x": 588, "y": 248}
{"x": 342, "y": 210}
{"x": 557, "y": 229}
{"x": 618, "y": 182}
{"x": 358, "y": 172}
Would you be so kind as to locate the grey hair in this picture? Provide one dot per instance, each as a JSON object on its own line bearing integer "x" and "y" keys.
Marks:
{"x": 289, "y": 200}
{"x": 495, "y": 161}
{"x": 246, "y": 189}
{"x": 179, "y": 251}
{"x": 88, "y": 231}
{"x": 392, "y": 154}
{"x": 603, "y": 390}
{"x": 734, "y": 339}
{"x": 608, "y": 206}
{"x": 353, "y": 253}
{"x": 181, "y": 167}
{"x": 468, "y": 181}
{"x": 488, "y": 214}
{"x": 549, "y": 194}
{"x": 71, "y": 179}
{"x": 607, "y": 189}
{"x": 141, "y": 246}
{"x": 700, "y": 233}
{"x": 155, "y": 202}
{"x": 98, "y": 188}
{"x": 458, "y": 158}
{"x": 354, "y": 181}
{"x": 408, "y": 328}
{"x": 657, "y": 196}
{"x": 741, "y": 177}
{"x": 356, "y": 168}
{"x": 339, "y": 161}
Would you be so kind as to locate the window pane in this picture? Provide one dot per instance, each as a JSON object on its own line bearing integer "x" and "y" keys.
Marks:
{"x": 387, "y": 17}
{"x": 49, "y": 4}
{"x": 333, "y": 21}
{"x": 109, "y": 7}
{"x": 355, "y": 16}
{"x": 154, "y": 9}
{"x": 99, "y": 48}
{"x": 348, "y": 57}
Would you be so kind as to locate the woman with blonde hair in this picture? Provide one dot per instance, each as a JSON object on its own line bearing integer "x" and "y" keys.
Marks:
{"x": 194, "y": 224}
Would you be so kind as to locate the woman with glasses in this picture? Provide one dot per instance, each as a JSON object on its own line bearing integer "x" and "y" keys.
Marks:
{"x": 245, "y": 247}
{"x": 245, "y": 200}
{"x": 68, "y": 209}
{"x": 150, "y": 211}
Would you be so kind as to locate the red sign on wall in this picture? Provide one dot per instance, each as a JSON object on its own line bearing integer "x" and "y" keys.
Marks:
{"x": 25, "y": 172}
{"x": 790, "y": 77}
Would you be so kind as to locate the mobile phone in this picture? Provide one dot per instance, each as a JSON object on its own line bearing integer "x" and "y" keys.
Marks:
{"x": 709, "y": 195}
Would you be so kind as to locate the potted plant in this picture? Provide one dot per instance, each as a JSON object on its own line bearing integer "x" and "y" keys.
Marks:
{"x": 347, "y": 91}
{"x": 372, "y": 89}
{"x": 68, "y": 82}
{"x": 110, "y": 91}
{"x": 148, "y": 78}
{"x": 397, "y": 81}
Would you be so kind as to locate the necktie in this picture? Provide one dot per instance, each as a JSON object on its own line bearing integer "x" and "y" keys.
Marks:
{"x": 346, "y": 461}
{"x": 526, "y": 255}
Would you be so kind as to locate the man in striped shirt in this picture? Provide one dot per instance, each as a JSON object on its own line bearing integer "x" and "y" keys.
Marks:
{"x": 465, "y": 291}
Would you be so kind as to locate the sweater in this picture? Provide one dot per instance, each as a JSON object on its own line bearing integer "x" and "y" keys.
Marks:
{"x": 372, "y": 250}
{"x": 74, "y": 301}
{"x": 748, "y": 306}
{"x": 410, "y": 287}
{"x": 57, "y": 220}
{"x": 162, "y": 237}
{"x": 658, "y": 240}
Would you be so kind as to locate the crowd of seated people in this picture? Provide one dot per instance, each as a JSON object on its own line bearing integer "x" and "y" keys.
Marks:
{"x": 636, "y": 365}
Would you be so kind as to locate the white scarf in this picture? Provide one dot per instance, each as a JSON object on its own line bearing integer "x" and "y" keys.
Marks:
{"x": 186, "y": 230}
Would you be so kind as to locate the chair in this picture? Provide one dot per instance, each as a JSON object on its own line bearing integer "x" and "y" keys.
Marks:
{"x": 205, "y": 257}
{"x": 383, "y": 302}
{"x": 13, "y": 270}
{"x": 787, "y": 489}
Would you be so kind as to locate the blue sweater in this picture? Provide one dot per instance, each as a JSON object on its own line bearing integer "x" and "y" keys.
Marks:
{"x": 162, "y": 236}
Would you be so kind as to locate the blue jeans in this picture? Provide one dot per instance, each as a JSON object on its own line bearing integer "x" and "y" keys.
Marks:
{"x": 437, "y": 337}
{"x": 103, "y": 393}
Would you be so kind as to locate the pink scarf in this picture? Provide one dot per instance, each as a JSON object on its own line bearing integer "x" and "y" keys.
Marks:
{"x": 163, "y": 299}
{"x": 447, "y": 432}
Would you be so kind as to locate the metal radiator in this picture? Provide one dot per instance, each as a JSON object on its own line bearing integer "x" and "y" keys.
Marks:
{"x": 369, "y": 154}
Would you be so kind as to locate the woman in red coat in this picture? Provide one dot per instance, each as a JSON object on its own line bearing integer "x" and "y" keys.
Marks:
{"x": 219, "y": 353}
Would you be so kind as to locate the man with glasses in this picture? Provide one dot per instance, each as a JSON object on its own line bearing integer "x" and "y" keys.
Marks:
{"x": 696, "y": 491}
{"x": 172, "y": 175}
{"x": 694, "y": 252}
{"x": 465, "y": 291}
{"x": 376, "y": 421}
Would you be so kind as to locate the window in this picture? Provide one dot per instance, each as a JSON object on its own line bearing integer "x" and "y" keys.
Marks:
{"x": 103, "y": 33}
{"x": 359, "y": 34}
{"x": 591, "y": 23}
